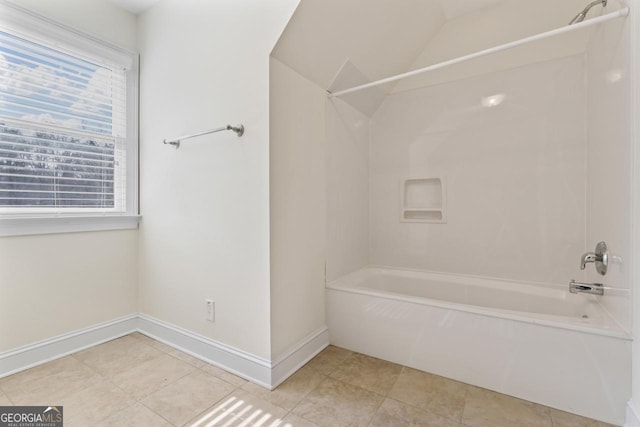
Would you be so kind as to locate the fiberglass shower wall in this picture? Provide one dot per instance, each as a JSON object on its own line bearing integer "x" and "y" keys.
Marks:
{"x": 509, "y": 167}
{"x": 347, "y": 162}
{"x": 608, "y": 176}
{"x": 509, "y": 150}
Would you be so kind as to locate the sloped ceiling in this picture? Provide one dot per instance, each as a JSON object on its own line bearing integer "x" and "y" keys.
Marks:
{"x": 134, "y": 6}
{"x": 379, "y": 37}
{"x": 455, "y": 8}
{"x": 506, "y": 21}
{"x": 382, "y": 38}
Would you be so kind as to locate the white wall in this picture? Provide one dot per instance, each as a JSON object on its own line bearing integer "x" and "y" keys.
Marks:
{"x": 100, "y": 18}
{"x": 51, "y": 285}
{"x": 54, "y": 284}
{"x": 633, "y": 410}
{"x": 514, "y": 174}
{"x": 347, "y": 189}
{"x": 609, "y": 162}
{"x": 297, "y": 207}
{"x": 205, "y": 232}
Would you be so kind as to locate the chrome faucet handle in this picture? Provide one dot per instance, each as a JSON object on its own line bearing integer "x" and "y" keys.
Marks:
{"x": 588, "y": 257}
{"x": 600, "y": 258}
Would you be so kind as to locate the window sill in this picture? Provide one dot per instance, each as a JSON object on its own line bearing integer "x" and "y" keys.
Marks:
{"x": 66, "y": 224}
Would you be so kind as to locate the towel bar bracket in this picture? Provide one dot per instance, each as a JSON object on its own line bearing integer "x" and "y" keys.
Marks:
{"x": 238, "y": 129}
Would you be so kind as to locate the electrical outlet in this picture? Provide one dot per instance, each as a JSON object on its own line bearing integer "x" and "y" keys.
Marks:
{"x": 211, "y": 310}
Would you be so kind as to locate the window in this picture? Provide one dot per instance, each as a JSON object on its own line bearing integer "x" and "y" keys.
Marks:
{"x": 68, "y": 131}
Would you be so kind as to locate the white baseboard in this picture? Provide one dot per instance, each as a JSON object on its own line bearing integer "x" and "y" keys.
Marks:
{"x": 290, "y": 361}
{"x": 266, "y": 373}
{"x": 632, "y": 416}
{"x": 54, "y": 348}
{"x": 241, "y": 363}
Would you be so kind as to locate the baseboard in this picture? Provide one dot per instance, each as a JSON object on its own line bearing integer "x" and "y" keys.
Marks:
{"x": 264, "y": 372}
{"x": 268, "y": 374}
{"x": 293, "y": 359}
{"x": 26, "y": 357}
{"x": 632, "y": 416}
{"x": 241, "y": 363}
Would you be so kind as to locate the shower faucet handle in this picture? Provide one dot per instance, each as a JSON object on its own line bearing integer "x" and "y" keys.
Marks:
{"x": 587, "y": 257}
{"x": 600, "y": 258}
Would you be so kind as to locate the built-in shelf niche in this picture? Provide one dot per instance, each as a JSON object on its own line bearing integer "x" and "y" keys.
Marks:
{"x": 423, "y": 200}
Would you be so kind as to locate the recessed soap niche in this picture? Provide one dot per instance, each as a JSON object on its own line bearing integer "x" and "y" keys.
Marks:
{"x": 423, "y": 200}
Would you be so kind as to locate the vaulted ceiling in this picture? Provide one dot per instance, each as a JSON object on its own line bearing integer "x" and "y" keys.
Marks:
{"x": 380, "y": 38}
{"x": 135, "y": 6}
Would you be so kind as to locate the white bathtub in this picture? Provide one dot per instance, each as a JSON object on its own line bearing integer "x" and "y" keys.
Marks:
{"x": 535, "y": 342}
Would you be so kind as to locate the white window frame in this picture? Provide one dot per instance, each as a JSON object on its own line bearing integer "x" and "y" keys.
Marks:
{"x": 33, "y": 25}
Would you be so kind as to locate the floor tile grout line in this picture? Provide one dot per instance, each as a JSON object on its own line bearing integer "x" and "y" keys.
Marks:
{"x": 110, "y": 378}
{"x": 218, "y": 402}
{"x": 548, "y": 410}
{"x": 91, "y": 368}
{"x": 303, "y": 399}
{"x": 4, "y": 392}
{"x": 65, "y": 394}
{"x": 374, "y": 412}
{"x": 160, "y": 415}
{"x": 464, "y": 404}
{"x": 164, "y": 386}
{"x": 201, "y": 413}
{"x": 133, "y": 401}
{"x": 107, "y": 376}
{"x": 222, "y": 379}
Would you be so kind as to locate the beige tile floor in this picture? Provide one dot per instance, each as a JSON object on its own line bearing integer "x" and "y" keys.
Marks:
{"x": 136, "y": 381}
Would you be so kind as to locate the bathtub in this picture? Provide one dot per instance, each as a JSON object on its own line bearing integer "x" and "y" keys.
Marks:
{"x": 536, "y": 342}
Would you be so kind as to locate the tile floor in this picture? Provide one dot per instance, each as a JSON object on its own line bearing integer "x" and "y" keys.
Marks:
{"x": 136, "y": 381}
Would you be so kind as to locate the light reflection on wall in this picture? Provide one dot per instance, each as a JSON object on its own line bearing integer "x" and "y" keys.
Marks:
{"x": 493, "y": 100}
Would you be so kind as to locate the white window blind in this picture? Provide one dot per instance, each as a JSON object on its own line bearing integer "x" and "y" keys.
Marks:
{"x": 63, "y": 129}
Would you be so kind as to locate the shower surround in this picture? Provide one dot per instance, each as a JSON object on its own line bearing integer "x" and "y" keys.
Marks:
{"x": 503, "y": 169}
{"x": 527, "y": 154}
{"x": 511, "y": 145}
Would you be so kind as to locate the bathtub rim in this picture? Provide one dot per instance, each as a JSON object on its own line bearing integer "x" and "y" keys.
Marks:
{"x": 612, "y": 329}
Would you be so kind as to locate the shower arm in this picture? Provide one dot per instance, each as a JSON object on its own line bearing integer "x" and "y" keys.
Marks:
{"x": 580, "y": 17}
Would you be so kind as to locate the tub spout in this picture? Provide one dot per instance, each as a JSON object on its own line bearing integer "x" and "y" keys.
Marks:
{"x": 586, "y": 288}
